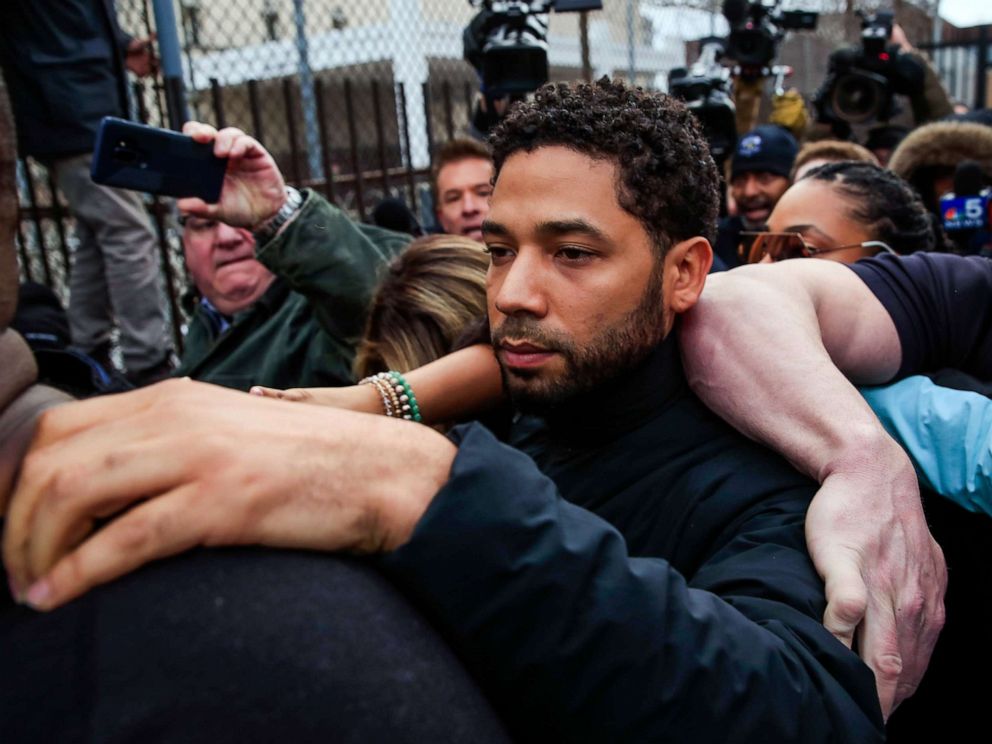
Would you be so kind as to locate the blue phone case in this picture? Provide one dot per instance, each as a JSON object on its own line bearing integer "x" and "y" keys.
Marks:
{"x": 159, "y": 161}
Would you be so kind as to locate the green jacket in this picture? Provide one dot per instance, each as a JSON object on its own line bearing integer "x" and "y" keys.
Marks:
{"x": 303, "y": 331}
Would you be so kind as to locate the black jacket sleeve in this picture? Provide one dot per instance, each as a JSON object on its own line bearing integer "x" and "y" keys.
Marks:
{"x": 577, "y": 641}
{"x": 941, "y": 305}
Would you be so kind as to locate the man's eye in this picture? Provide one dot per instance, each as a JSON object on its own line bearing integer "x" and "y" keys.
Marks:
{"x": 497, "y": 254}
{"x": 574, "y": 254}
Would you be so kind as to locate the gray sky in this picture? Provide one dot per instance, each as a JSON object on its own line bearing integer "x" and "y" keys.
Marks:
{"x": 963, "y": 13}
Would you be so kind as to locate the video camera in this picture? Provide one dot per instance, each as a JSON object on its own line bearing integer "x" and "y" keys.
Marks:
{"x": 756, "y": 28}
{"x": 861, "y": 82}
{"x": 705, "y": 89}
{"x": 966, "y": 212}
{"x": 507, "y": 42}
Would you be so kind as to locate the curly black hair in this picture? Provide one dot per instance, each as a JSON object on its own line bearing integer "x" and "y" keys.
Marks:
{"x": 667, "y": 178}
{"x": 885, "y": 204}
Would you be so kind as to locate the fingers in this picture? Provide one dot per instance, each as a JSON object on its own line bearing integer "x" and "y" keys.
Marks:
{"x": 234, "y": 144}
{"x": 66, "y": 475}
{"x": 131, "y": 472}
{"x": 153, "y": 530}
{"x": 199, "y": 131}
{"x": 296, "y": 395}
{"x": 880, "y": 651}
{"x": 920, "y": 615}
{"x": 196, "y": 206}
{"x": 265, "y": 392}
{"x": 847, "y": 597}
{"x": 229, "y": 142}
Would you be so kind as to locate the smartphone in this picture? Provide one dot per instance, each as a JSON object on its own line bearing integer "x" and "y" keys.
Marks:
{"x": 142, "y": 158}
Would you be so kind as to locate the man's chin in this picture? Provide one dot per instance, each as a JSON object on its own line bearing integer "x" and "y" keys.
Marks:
{"x": 533, "y": 392}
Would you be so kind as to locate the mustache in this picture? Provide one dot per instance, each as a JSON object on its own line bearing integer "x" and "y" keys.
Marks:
{"x": 754, "y": 202}
{"x": 531, "y": 331}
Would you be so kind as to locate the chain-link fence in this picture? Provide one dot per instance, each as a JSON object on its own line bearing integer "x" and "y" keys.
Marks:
{"x": 352, "y": 97}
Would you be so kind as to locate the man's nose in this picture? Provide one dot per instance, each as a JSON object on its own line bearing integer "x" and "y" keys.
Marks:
{"x": 751, "y": 186}
{"x": 227, "y": 236}
{"x": 471, "y": 204}
{"x": 520, "y": 288}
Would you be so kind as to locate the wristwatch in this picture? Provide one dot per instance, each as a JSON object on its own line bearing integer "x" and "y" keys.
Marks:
{"x": 268, "y": 229}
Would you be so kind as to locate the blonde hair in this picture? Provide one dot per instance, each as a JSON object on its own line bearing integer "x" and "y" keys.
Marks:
{"x": 833, "y": 151}
{"x": 430, "y": 294}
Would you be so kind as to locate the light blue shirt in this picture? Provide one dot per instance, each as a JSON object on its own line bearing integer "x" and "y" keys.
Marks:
{"x": 947, "y": 434}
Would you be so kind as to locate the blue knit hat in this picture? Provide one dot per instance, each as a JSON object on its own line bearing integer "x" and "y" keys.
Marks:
{"x": 766, "y": 148}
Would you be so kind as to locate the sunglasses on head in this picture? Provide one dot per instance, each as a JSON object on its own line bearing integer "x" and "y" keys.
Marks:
{"x": 782, "y": 246}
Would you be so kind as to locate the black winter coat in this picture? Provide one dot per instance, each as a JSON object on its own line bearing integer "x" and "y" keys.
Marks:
{"x": 687, "y": 610}
{"x": 64, "y": 67}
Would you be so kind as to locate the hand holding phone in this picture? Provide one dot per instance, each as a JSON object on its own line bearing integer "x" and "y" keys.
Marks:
{"x": 253, "y": 188}
{"x": 225, "y": 175}
{"x": 142, "y": 158}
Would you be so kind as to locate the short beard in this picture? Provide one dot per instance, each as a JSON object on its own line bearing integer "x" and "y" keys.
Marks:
{"x": 614, "y": 351}
{"x": 758, "y": 203}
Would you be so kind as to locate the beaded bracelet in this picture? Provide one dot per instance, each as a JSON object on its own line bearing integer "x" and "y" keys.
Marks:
{"x": 398, "y": 400}
{"x": 408, "y": 401}
{"x": 390, "y": 405}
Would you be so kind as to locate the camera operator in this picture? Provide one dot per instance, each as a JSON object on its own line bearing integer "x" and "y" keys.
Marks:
{"x": 862, "y": 82}
{"x": 756, "y": 30}
{"x": 759, "y": 175}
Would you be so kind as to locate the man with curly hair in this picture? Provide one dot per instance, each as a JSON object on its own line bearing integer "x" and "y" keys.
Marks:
{"x": 632, "y": 570}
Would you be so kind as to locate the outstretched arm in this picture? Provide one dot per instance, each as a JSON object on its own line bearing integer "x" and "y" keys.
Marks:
{"x": 456, "y": 387}
{"x": 768, "y": 348}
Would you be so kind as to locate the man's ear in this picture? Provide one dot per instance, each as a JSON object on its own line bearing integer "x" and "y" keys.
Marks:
{"x": 686, "y": 265}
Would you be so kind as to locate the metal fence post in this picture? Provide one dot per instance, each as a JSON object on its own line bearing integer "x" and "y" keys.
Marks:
{"x": 406, "y": 22}
{"x": 170, "y": 52}
{"x": 631, "y": 68}
{"x": 311, "y": 131}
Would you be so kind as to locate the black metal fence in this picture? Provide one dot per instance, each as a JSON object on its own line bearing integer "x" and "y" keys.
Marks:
{"x": 965, "y": 66}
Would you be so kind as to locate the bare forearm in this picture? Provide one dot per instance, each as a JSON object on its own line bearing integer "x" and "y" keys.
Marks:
{"x": 768, "y": 349}
{"x": 762, "y": 349}
{"x": 458, "y": 386}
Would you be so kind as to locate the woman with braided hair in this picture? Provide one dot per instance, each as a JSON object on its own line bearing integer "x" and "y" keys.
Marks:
{"x": 844, "y": 211}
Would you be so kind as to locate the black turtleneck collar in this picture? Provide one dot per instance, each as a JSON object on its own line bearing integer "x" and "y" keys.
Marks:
{"x": 625, "y": 402}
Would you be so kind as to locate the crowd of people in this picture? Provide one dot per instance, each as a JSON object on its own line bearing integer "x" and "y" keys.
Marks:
{"x": 593, "y": 460}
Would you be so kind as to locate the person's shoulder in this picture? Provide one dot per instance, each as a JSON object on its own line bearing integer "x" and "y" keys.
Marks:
{"x": 924, "y": 261}
{"x": 923, "y": 269}
{"x": 386, "y": 239}
{"x": 740, "y": 468}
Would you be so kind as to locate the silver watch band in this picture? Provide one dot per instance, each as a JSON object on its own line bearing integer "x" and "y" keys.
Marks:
{"x": 268, "y": 229}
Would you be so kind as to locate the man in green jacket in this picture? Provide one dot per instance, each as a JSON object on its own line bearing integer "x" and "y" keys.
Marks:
{"x": 284, "y": 307}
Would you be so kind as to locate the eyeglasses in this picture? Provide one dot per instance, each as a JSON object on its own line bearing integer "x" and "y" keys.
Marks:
{"x": 196, "y": 224}
{"x": 782, "y": 246}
